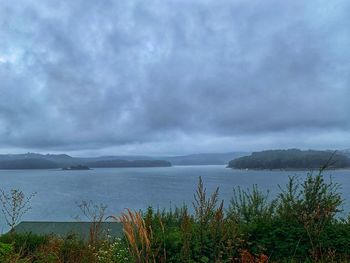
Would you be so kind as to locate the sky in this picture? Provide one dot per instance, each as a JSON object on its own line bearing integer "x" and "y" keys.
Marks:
{"x": 168, "y": 77}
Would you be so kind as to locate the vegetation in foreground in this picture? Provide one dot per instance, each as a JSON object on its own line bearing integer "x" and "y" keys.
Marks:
{"x": 301, "y": 224}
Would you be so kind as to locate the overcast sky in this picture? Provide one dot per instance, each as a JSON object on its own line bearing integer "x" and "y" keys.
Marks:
{"x": 91, "y": 77}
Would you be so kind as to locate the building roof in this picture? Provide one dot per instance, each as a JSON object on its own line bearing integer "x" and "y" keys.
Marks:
{"x": 80, "y": 229}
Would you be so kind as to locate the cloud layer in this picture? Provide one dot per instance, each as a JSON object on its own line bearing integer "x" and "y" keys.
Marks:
{"x": 174, "y": 76}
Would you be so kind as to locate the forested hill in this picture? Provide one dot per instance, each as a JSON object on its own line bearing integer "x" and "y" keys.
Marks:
{"x": 30, "y": 163}
{"x": 48, "y": 161}
{"x": 290, "y": 159}
{"x": 203, "y": 158}
{"x": 346, "y": 152}
{"x": 51, "y": 161}
{"x": 125, "y": 163}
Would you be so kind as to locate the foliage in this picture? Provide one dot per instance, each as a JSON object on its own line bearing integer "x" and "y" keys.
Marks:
{"x": 247, "y": 206}
{"x": 114, "y": 251}
{"x": 296, "y": 225}
{"x": 290, "y": 159}
{"x": 5, "y": 251}
{"x": 25, "y": 243}
{"x": 313, "y": 204}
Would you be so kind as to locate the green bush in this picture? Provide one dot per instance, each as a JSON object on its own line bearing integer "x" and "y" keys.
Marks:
{"x": 25, "y": 243}
{"x": 5, "y": 251}
{"x": 300, "y": 224}
{"x": 248, "y": 206}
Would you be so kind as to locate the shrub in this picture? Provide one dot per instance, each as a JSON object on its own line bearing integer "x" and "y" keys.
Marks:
{"x": 313, "y": 204}
{"x": 248, "y": 206}
{"x": 5, "y": 251}
{"x": 25, "y": 243}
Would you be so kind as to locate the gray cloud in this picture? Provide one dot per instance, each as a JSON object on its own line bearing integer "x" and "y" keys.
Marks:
{"x": 174, "y": 76}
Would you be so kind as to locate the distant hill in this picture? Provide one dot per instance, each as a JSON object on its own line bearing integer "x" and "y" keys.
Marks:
{"x": 272, "y": 159}
{"x": 112, "y": 158}
{"x": 125, "y": 163}
{"x": 49, "y": 161}
{"x": 29, "y": 163}
{"x": 290, "y": 159}
{"x": 346, "y": 152}
{"x": 203, "y": 158}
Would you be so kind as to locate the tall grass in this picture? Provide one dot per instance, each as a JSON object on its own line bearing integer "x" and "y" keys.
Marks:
{"x": 138, "y": 235}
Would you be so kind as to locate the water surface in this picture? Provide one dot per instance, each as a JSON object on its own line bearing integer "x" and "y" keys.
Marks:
{"x": 137, "y": 188}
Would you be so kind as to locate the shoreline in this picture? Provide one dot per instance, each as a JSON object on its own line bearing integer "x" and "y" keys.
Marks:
{"x": 288, "y": 169}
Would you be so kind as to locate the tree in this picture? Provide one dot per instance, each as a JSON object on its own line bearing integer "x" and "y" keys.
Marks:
{"x": 14, "y": 205}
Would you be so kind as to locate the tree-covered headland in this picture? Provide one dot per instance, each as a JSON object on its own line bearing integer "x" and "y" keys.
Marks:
{"x": 291, "y": 159}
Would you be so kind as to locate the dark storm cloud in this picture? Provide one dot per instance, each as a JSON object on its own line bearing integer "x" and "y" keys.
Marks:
{"x": 172, "y": 76}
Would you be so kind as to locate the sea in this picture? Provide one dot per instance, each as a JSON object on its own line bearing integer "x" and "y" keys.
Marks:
{"x": 58, "y": 193}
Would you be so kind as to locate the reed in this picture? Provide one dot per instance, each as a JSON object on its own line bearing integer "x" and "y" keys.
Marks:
{"x": 138, "y": 235}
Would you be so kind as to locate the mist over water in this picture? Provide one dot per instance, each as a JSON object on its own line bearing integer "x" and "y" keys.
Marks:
{"x": 137, "y": 188}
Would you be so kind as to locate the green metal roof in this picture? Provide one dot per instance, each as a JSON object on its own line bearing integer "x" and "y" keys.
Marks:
{"x": 81, "y": 229}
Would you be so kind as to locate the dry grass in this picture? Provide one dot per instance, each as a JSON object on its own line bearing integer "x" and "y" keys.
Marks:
{"x": 138, "y": 235}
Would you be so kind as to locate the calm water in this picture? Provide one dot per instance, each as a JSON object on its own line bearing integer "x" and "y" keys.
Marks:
{"x": 136, "y": 188}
